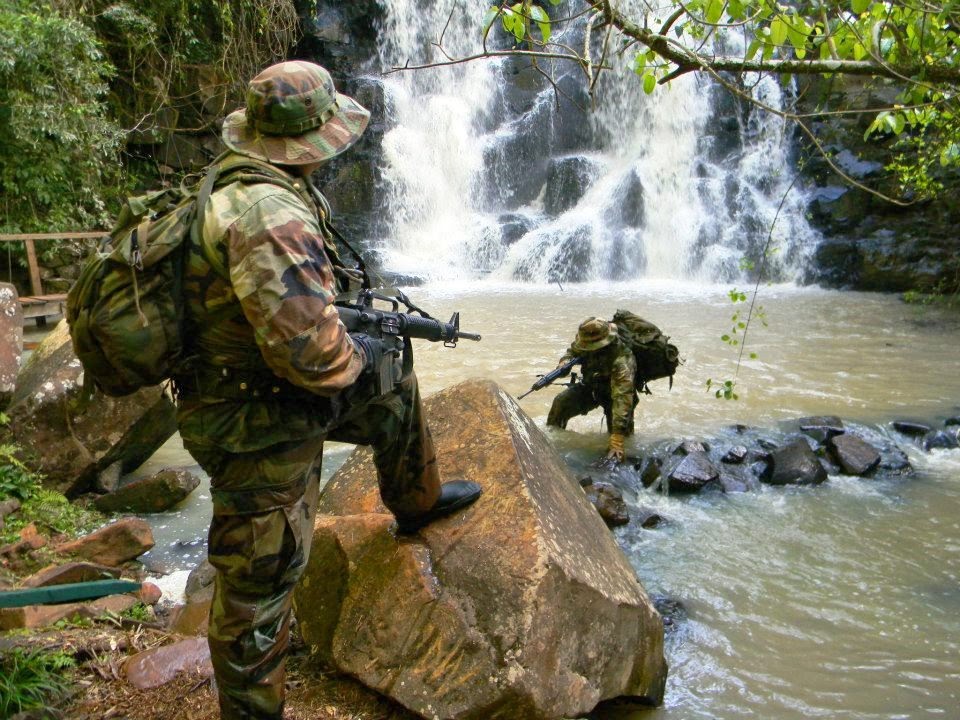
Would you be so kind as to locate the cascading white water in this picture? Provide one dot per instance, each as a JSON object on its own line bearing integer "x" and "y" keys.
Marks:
{"x": 667, "y": 185}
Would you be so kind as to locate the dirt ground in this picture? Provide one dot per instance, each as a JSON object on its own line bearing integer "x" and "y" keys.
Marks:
{"x": 100, "y": 691}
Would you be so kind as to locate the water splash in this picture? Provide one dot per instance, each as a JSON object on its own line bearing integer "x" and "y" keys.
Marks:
{"x": 490, "y": 170}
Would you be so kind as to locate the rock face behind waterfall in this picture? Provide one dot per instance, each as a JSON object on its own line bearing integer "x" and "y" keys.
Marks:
{"x": 70, "y": 447}
{"x": 520, "y": 606}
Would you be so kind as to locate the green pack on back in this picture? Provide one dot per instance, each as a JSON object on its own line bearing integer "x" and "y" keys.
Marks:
{"x": 125, "y": 311}
{"x": 656, "y": 356}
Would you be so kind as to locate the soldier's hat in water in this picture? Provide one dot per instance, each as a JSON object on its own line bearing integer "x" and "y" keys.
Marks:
{"x": 594, "y": 334}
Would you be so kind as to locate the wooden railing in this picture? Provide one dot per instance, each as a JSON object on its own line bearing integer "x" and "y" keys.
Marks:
{"x": 28, "y": 239}
{"x": 37, "y": 305}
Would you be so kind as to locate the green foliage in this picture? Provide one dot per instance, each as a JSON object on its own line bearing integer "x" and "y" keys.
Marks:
{"x": 141, "y": 612}
{"x": 45, "y": 508}
{"x": 519, "y": 19}
{"x": 15, "y": 479}
{"x": 31, "y": 679}
{"x": 724, "y": 390}
{"x": 57, "y": 146}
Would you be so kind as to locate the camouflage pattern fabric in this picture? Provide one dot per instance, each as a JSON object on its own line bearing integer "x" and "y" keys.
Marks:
{"x": 607, "y": 382}
{"x": 259, "y": 541}
{"x": 294, "y": 116}
{"x": 273, "y": 374}
{"x": 260, "y": 298}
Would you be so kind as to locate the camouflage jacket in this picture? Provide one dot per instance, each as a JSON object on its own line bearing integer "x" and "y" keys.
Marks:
{"x": 264, "y": 333}
{"x": 610, "y": 372}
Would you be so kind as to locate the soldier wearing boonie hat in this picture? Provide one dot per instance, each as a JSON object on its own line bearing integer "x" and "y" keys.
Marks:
{"x": 274, "y": 373}
{"x": 608, "y": 368}
{"x": 294, "y": 116}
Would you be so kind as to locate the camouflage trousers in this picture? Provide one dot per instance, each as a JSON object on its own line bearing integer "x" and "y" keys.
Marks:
{"x": 579, "y": 399}
{"x": 265, "y": 503}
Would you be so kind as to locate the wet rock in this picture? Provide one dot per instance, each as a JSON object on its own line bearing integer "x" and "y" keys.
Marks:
{"x": 11, "y": 341}
{"x": 522, "y": 605}
{"x": 70, "y": 445}
{"x": 158, "y": 666}
{"x": 192, "y": 617}
{"x": 735, "y": 455}
{"x": 650, "y": 471}
{"x": 113, "y": 544}
{"x": 671, "y": 610}
{"x": 72, "y": 572}
{"x": 856, "y": 456}
{"x": 894, "y": 461}
{"x": 767, "y": 444}
{"x": 951, "y": 422}
{"x": 821, "y": 428}
{"x": 688, "y": 447}
{"x": 692, "y": 473}
{"x": 939, "y": 440}
{"x": 608, "y": 500}
{"x": 513, "y": 226}
{"x": 649, "y": 519}
{"x": 567, "y": 181}
{"x": 628, "y": 208}
{"x": 157, "y": 493}
{"x": 913, "y": 429}
{"x": 740, "y": 478}
{"x": 794, "y": 464}
{"x": 200, "y": 580}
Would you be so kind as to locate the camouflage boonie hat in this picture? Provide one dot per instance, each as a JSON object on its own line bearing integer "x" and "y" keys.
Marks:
{"x": 294, "y": 116}
{"x": 594, "y": 334}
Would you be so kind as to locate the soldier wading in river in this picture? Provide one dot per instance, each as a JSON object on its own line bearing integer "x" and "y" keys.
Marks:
{"x": 608, "y": 368}
{"x": 275, "y": 374}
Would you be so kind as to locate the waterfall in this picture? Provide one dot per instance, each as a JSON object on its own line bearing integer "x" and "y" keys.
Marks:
{"x": 490, "y": 169}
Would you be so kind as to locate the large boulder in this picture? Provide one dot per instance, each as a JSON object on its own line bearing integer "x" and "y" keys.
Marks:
{"x": 113, "y": 544}
{"x": 153, "y": 494}
{"x": 70, "y": 443}
{"x": 11, "y": 340}
{"x": 522, "y": 605}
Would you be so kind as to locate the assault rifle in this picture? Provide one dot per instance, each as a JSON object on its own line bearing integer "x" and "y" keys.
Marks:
{"x": 545, "y": 380}
{"x": 362, "y": 316}
{"x": 398, "y": 327}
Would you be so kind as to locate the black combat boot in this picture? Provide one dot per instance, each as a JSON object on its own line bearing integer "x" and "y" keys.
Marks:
{"x": 454, "y": 495}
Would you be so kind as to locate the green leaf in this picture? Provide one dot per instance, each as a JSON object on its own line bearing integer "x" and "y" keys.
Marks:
{"x": 714, "y": 11}
{"x": 778, "y": 31}
{"x": 752, "y": 50}
{"x": 649, "y": 82}
{"x": 859, "y": 6}
{"x": 540, "y": 17}
{"x": 488, "y": 19}
{"x": 640, "y": 63}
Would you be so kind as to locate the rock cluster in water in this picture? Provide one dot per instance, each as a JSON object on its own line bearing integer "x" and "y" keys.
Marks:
{"x": 807, "y": 451}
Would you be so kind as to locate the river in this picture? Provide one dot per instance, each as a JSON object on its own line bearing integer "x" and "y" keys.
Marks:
{"x": 841, "y": 601}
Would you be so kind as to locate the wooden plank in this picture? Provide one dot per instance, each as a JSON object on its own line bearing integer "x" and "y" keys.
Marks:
{"x": 20, "y": 237}
{"x": 36, "y": 287}
{"x": 53, "y": 594}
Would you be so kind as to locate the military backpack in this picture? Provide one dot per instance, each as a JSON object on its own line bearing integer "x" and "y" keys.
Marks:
{"x": 125, "y": 311}
{"x": 656, "y": 357}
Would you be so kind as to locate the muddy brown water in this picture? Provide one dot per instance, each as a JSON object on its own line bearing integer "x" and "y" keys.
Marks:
{"x": 841, "y": 601}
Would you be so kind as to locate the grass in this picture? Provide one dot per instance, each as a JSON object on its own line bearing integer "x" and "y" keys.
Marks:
{"x": 31, "y": 679}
